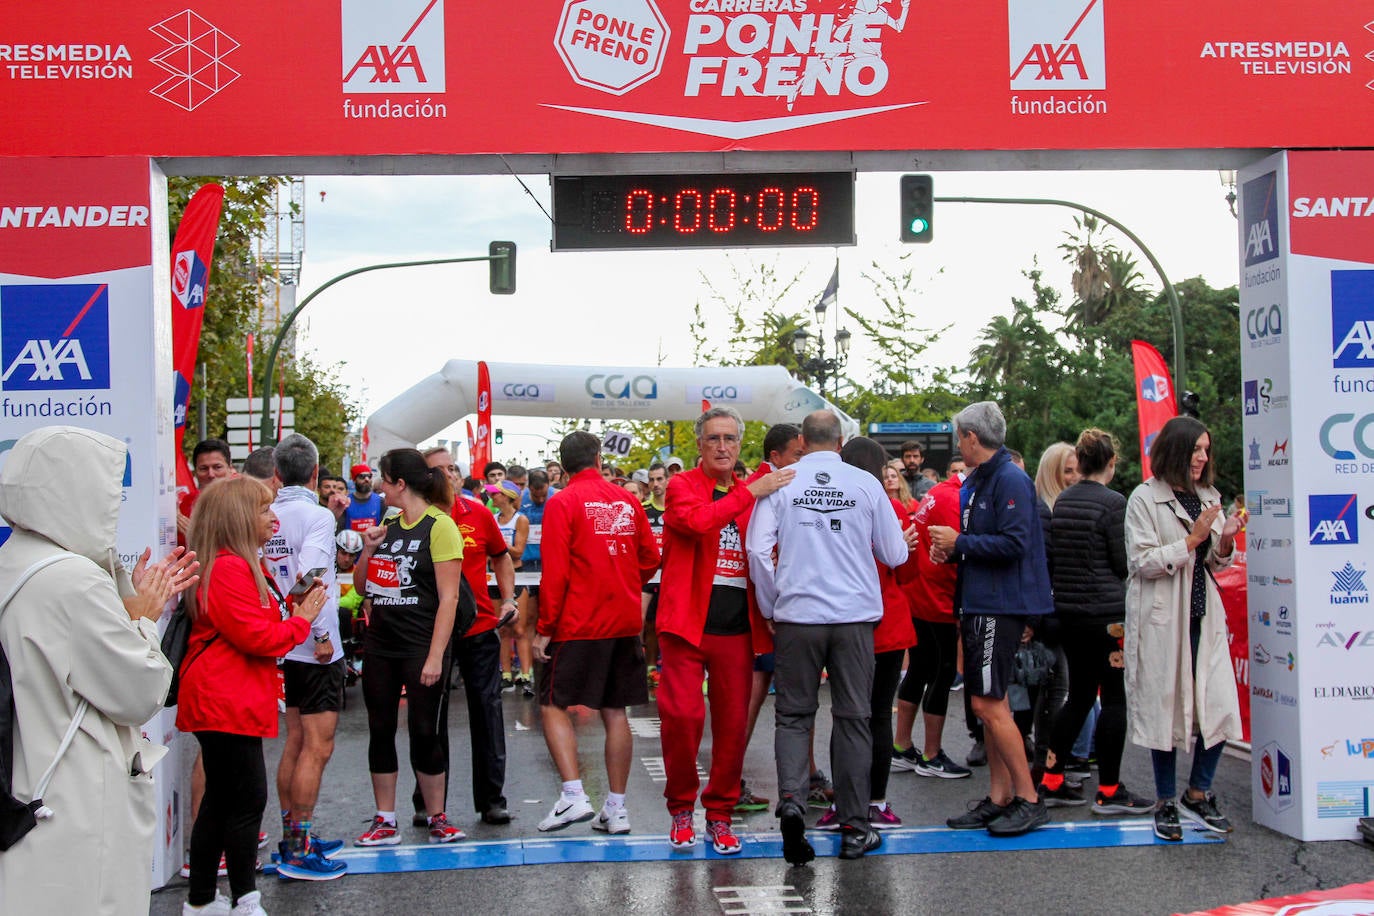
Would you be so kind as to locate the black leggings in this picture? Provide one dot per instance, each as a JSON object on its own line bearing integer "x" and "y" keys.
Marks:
{"x": 230, "y": 815}
{"x": 1095, "y": 663}
{"x": 887, "y": 670}
{"x": 383, "y": 679}
{"x": 933, "y": 666}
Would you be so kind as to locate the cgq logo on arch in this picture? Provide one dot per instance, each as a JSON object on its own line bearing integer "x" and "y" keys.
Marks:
{"x": 621, "y": 387}
{"x": 1264, "y": 326}
{"x": 525, "y": 391}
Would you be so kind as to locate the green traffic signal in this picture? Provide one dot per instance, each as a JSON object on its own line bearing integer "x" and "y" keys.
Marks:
{"x": 918, "y": 208}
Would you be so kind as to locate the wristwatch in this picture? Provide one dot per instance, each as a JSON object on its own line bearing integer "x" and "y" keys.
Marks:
{"x": 322, "y": 639}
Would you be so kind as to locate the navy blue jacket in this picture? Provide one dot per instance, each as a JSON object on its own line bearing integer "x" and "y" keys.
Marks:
{"x": 1001, "y": 550}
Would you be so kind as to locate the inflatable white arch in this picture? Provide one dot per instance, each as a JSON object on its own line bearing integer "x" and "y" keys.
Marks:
{"x": 767, "y": 393}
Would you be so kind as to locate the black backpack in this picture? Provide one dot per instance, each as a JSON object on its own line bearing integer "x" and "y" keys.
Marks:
{"x": 19, "y": 817}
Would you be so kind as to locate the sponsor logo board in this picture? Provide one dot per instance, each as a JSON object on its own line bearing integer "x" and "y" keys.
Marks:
{"x": 55, "y": 337}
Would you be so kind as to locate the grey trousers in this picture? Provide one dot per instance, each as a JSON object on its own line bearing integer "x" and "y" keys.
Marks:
{"x": 845, "y": 651}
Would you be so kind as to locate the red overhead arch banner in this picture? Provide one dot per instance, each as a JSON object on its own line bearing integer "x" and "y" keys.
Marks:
{"x": 357, "y": 77}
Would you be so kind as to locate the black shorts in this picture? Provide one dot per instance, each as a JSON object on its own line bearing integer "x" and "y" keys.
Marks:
{"x": 530, "y": 566}
{"x": 596, "y": 673}
{"x": 990, "y": 643}
{"x": 314, "y": 688}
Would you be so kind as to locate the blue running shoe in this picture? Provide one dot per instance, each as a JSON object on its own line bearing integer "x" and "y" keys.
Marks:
{"x": 310, "y": 866}
{"x": 327, "y": 848}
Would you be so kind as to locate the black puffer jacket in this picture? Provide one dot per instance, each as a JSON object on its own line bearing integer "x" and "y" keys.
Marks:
{"x": 1088, "y": 545}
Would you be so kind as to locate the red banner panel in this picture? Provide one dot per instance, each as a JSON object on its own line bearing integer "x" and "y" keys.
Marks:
{"x": 229, "y": 77}
{"x": 1351, "y": 900}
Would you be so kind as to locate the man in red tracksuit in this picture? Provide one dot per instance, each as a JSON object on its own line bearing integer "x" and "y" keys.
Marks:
{"x": 598, "y": 552}
{"x": 704, "y": 626}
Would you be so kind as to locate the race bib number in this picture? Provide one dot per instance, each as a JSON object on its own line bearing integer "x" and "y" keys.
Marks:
{"x": 383, "y": 578}
{"x": 730, "y": 569}
{"x": 535, "y": 535}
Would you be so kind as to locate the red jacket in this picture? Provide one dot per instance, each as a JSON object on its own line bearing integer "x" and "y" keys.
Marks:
{"x": 930, "y": 586}
{"x": 482, "y": 538}
{"x": 895, "y": 631}
{"x": 691, "y": 545}
{"x": 598, "y": 552}
{"x": 232, "y": 686}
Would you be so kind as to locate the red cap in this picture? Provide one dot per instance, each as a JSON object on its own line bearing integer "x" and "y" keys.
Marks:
{"x": 359, "y": 469}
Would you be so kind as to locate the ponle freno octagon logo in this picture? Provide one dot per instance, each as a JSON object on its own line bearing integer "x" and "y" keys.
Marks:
{"x": 612, "y": 45}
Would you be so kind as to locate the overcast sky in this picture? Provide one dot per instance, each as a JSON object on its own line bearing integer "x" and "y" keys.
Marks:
{"x": 390, "y": 329}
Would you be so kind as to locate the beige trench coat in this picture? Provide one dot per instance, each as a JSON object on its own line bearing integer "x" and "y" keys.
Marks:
{"x": 67, "y": 636}
{"x": 1166, "y": 703}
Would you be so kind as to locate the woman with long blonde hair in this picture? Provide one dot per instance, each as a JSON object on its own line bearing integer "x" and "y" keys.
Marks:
{"x": 228, "y": 693}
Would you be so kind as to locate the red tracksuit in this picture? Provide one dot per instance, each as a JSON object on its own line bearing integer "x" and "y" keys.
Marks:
{"x": 692, "y": 528}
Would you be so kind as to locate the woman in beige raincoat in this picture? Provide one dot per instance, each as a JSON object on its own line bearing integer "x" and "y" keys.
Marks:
{"x": 1179, "y": 682}
{"x": 79, "y": 629}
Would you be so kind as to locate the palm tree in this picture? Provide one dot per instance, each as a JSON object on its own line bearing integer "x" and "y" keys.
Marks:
{"x": 997, "y": 360}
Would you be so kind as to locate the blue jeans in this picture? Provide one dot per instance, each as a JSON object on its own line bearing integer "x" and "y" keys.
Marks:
{"x": 1205, "y": 760}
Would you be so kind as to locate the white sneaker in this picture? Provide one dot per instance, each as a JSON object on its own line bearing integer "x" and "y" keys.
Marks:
{"x": 566, "y": 812}
{"x": 249, "y": 904}
{"x": 220, "y": 906}
{"x": 614, "y": 821}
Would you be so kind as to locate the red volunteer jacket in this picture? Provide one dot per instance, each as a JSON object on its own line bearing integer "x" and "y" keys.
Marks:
{"x": 895, "y": 631}
{"x": 598, "y": 552}
{"x": 482, "y": 538}
{"x": 232, "y": 685}
{"x": 691, "y": 546}
{"x": 930, "y": 586}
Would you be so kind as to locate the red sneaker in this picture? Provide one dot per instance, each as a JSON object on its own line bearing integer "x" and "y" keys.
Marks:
{"x": 682, "y": 836}
{"x": 381, "y": 833}
{"x": 723, "y": 839}
{"x": 441, "y": 831}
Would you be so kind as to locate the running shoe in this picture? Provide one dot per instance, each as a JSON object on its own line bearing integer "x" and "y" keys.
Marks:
{"x": 748, "y": 801}
{"x": 883, "y": 818}
{"x": 723, "y": 838}
{"x": 381, "y": 833}
{"x": 1063, "y": 797}
{"x": 250, "y": 904}
{"x": 262, "y": 839}
{"x": 795, "y": 848}
{"x": 615, "y": 821}
{"x": 941, "y": 767}
{"x": 220, "y": 906}
{"x": 681, "y": 835}
{"x": 830, "y": 820}
{"x": 1205, "y": 811}
{"x": 858, "y": 842}
{"x": 1020, "y": 817}
{"x": 958, "y": 683}
{"x": 307, "y": 866}
{"x": 822, "y": 792}
{"x": 566, "y": 812}
{"x": 979, "y": 815}
{"x": 441, "y": 831}
{"x": 1078, "y": 768}
{"x": 326, "y": 848}
{"x": 222, "y": 871}
{"x": 527, "y": 688}
{"x": 1167, "y": 826}
{"x": 977, "y": 755}
{"x": 507, "y": 682}
{"x": 905, "y": 759}
{"x": 1121, "y": 802}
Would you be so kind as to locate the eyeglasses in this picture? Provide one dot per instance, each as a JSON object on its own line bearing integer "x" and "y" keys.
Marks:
{"x": 721, "y": 440}
{"x": 365, "y": 476}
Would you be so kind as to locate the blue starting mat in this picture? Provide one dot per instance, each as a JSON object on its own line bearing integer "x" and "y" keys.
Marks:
{"x": 546, "y": 850}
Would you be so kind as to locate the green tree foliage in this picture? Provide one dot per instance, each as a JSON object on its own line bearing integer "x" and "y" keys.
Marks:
{"x": 324, "y": 411}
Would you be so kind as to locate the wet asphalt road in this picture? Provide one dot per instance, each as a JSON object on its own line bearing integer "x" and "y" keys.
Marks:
{"x": 1254, "y": 863}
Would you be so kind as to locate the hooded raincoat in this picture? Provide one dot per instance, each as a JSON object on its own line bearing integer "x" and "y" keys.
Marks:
{"x": 67, "y": 636}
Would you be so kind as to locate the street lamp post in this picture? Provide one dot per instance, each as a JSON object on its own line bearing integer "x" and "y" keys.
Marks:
{"x": 818, "y": 366}
{"x": 266, "y": 428}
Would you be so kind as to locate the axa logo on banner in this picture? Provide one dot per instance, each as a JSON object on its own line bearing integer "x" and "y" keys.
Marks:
{"x": 188, "y": 280}
{"x": 622, "y": 387}
{"x": 1352, "y": 319}
{"x": 1260, "y": 209}
{"x": 1332, "y": 519}
{"x": 1154, "y": 388}
{"x": 525, "y": 391}
{"x": 393, "y": 47}
{"x": 612, "y": 45}
{"x": 56, "y": 337}
{"x": 1057, "y": 44}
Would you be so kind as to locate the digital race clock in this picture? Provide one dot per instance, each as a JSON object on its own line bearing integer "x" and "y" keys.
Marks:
{"x": 735, "y": 210}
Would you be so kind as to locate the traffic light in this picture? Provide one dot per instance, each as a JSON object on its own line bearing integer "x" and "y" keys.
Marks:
{"x": 499, "y": 435}
{"x": 502, "y": 279}
{"x": 918, "y": 208}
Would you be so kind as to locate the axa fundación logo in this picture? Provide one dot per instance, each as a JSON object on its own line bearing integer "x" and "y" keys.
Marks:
{"x": 1260, "y": 210}
{"x": 1058, "y": 46}
{"x": 194, "y": 57}
{"x": 395, "y": 47}
{"x": 1352, "y": 319}
{"x": 55, "y": 337}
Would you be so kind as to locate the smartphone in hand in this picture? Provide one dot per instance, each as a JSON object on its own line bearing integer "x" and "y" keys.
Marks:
{"x": 306, "y": 582}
